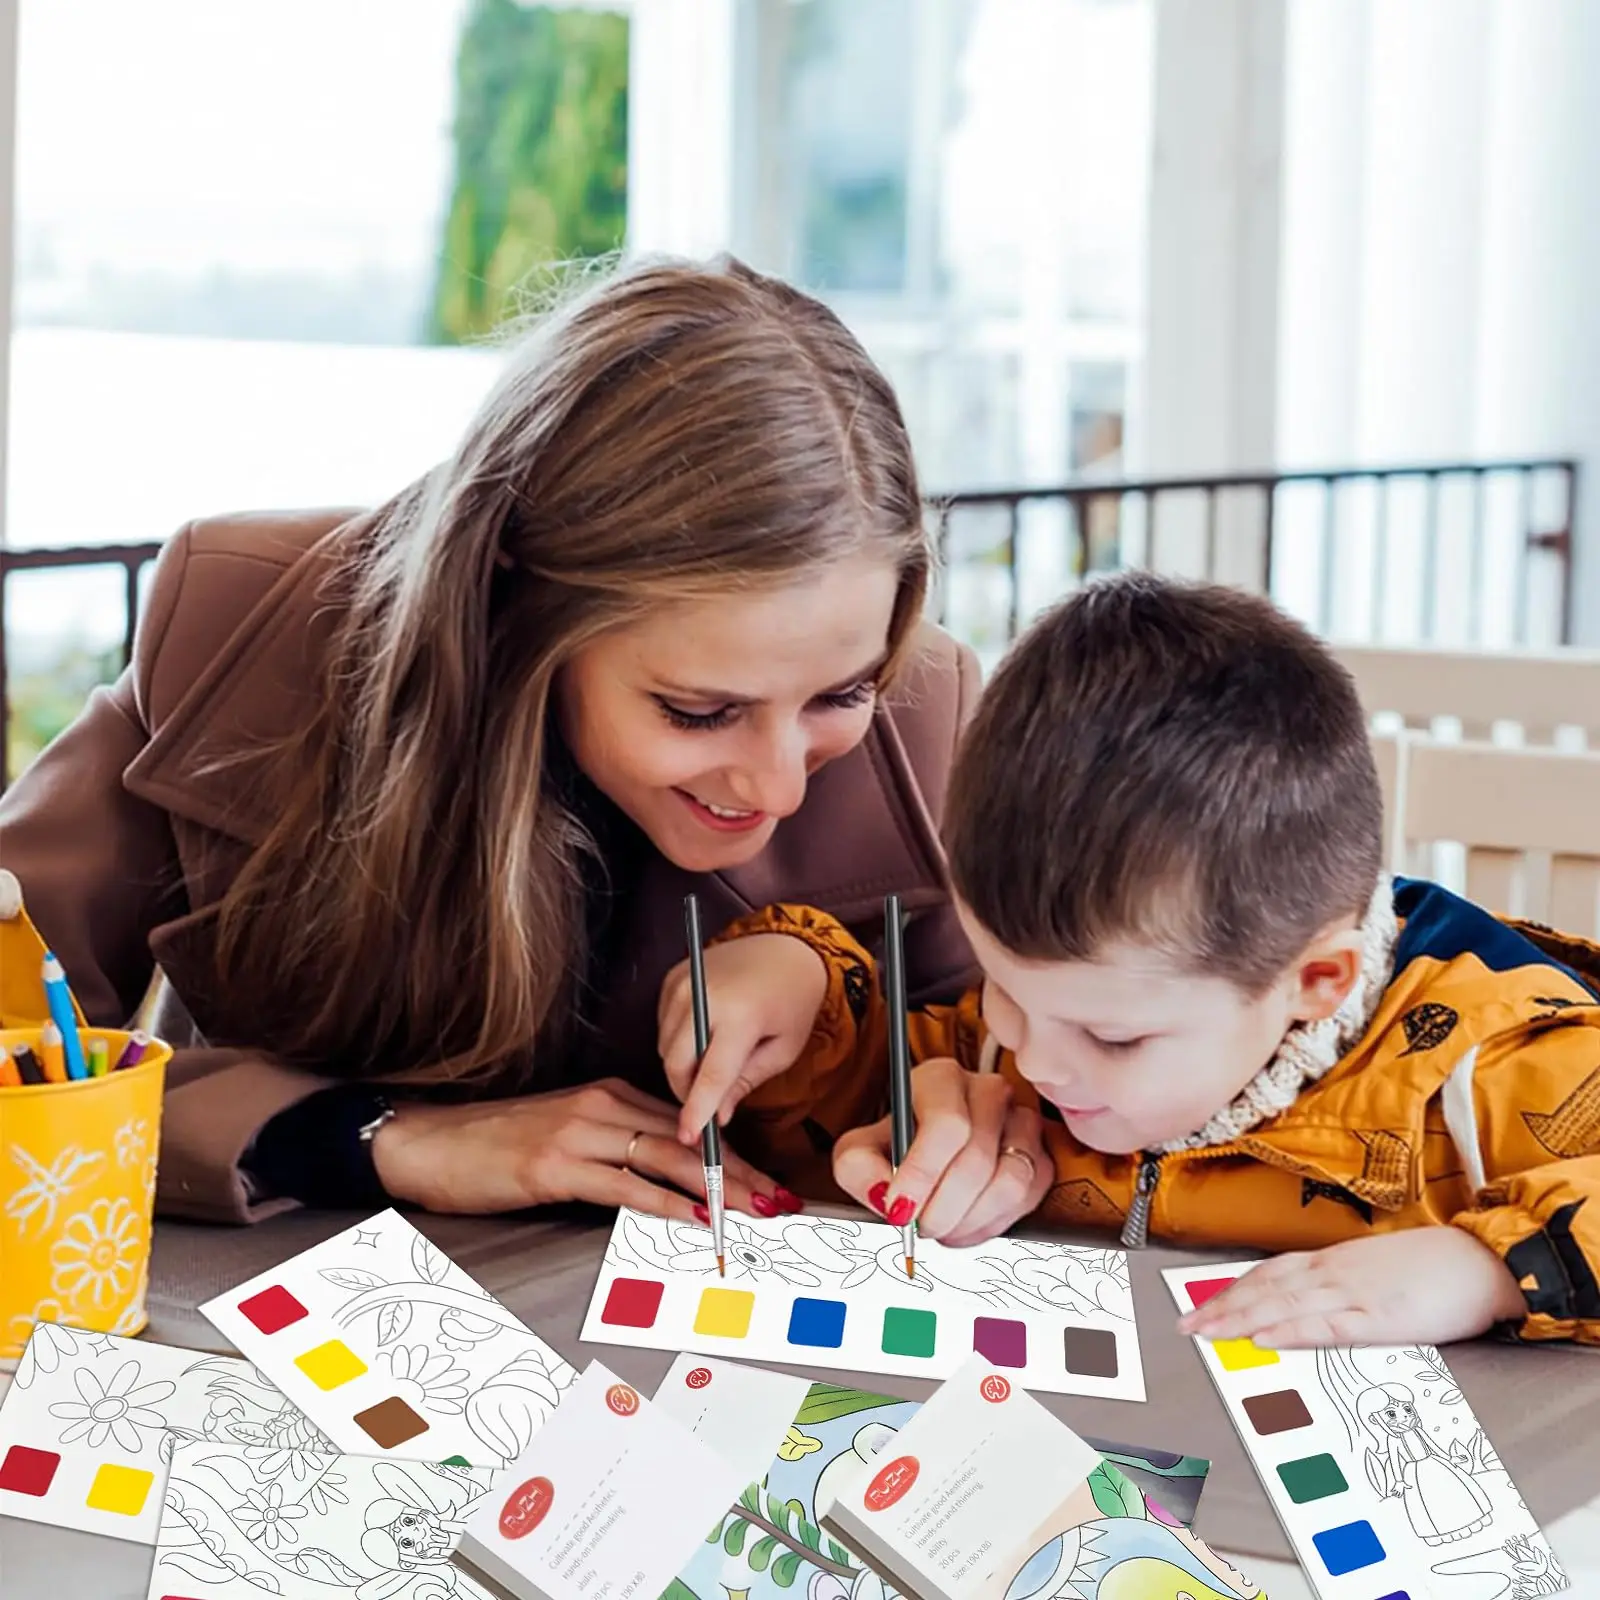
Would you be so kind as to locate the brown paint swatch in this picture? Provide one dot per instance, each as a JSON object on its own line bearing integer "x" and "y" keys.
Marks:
{"x": 390, "y": 1422}
{"x": 1279, "y": 1412}
{"x": 1091, "y": 1352}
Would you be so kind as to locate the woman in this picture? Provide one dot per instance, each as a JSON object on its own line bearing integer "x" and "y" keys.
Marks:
{"x": 404, "y": 804}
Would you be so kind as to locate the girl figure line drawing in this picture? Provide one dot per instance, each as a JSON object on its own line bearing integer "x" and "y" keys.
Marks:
{"x": 1442, "y": 1499}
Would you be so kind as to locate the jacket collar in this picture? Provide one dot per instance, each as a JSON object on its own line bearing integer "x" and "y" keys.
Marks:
{"x": 863, "y": 831}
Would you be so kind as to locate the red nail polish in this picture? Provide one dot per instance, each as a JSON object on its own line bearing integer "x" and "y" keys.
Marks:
{"x": 702, "y": 1215}
{"x": 902, "y": 1211}
{"x": 788, "y": 1200}
{"x": 877, "y": 1194}
{"x": 762, "y": 1206}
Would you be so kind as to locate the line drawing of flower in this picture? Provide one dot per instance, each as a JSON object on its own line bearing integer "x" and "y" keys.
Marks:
{"x": 434, "y": 1379}
{"x": 48, "y": 1186}
{"x": 265, "y": 1520}
{"x": 132, "y": 1141}
{"x": 687, "y": 1247}
{"x": 98, "y": 1254}
{"x": 117, "y": 1410}
{"x": 48, "y": 1346}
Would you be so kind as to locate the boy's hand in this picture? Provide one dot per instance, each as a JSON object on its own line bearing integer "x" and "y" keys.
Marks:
{"x": 763, "y": 994}
{"x": 1418, "y": 1286}
{"x": 977, "y": 1164}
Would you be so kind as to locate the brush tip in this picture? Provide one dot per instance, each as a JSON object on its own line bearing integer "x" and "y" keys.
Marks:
{"x": 722, "y": 1269}
{"x": 911, "y": 1267}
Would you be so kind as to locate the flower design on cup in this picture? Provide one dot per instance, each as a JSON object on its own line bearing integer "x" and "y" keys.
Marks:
{"x": 99, "y": 1255}
{"x": 132, "y": 1142}
{"x": 265, "y": 1520}
{"x": 116, "y": 1411}
{"x": 433, "y": 1378}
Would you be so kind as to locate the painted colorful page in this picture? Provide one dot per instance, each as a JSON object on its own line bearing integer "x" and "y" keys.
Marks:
{"x": 390, "y": 1348}
{"x": 1375, "y": 1465}
{"x": 90, "y": 1421}
{"x": 771, "y": 1544}
{"x": 331, "y": 1528}
{"x": 819, "y": 1292}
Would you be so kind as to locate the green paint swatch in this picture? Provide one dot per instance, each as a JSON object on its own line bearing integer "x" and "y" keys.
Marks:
{"x": 907, "y": 1332}
{"x": 1312, "y": 1478}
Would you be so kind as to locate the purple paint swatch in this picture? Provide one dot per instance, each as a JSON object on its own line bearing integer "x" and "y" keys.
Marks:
{"x": 1002, "y": 1340}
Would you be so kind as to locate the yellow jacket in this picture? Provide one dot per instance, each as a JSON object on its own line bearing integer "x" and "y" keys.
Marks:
{"x": 1473, "y": 1099}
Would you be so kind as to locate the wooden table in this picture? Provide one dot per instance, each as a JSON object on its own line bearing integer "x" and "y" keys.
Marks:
{"x": 1541, "y": 1407}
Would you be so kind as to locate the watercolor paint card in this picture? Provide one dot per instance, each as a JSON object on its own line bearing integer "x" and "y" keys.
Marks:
{"x": 986, "y": 1495}
{"x": 332, "y": 1527}
{"x": 390, "y": 1348}
{"x": 610, "y": 1499}
{"x": 90, "y": 1421}
{"x": 1382, "y": 1477}
{"x": 820, "y": 1292}
{"x": 742, "y": 1413}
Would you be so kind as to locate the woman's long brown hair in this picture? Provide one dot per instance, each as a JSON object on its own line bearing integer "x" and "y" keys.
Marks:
{"x": 677, "y": 432}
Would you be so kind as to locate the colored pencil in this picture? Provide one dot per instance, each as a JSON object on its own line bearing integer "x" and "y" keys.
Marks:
{"x": 59, "y": 998}
{"x": 10, "y": 1078}
{"x": 27, "y": 1063}
{"x": 902, "y": 1123}
{"x": 133, "y": 1052}
{"x": 710, "y": 1135}
{"x": 52, "y": 1054}
{"x": 99, "y": 1058}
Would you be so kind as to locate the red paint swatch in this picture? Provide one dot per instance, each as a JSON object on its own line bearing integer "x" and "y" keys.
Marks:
{"x": 1203, "y": 1289}
{"x": 26, "y": 1471}
{"x": 633, "y": 1303}
{"x": 272, "y": 1309}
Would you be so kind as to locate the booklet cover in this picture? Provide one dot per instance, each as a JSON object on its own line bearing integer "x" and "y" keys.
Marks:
{"x": 985, "y": 1495}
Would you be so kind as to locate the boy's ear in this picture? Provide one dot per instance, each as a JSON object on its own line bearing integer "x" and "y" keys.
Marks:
{"x": 1325, "y": 975}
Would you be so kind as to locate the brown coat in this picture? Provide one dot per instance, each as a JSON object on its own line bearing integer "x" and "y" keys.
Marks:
{"x": 129, "y": 829}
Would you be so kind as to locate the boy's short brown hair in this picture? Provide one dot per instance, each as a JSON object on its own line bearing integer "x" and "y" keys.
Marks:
{"x": 1173, "y": 764}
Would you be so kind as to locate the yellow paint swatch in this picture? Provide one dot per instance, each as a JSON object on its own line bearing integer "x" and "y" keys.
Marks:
{"x": 1238, "y": 1354}
{"x": 725, "y": 1312}
{"x": 120, "y": 1489}
{"x": 331, "y": 1364}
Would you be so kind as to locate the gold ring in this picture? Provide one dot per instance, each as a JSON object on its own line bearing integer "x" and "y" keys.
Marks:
{"x": 627, "y": 1155}
{"x": 1016, "y": 1150}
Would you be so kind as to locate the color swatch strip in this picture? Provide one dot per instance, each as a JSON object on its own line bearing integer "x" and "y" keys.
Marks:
{"x": 773, "y": 1306}
{"x": 1374, "y": 1463}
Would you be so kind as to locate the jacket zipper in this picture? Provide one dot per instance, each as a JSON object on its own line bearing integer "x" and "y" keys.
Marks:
{"x": 1136, "y": 1230}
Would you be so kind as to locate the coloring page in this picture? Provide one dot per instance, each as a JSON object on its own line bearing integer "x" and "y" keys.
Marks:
{"x": 89, "y": 1424}
{"x": 336, "y": 1528}
{"x": 389, "y": 1346}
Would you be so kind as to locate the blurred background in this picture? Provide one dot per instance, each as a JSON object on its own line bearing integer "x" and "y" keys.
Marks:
{"x": 1294, "y": 293}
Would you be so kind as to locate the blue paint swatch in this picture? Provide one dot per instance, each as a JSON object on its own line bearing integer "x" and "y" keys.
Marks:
{"x": 817, "y": 1322}
{"x": 1348, "y": 1548}
{"x": 1399, "y": 1594}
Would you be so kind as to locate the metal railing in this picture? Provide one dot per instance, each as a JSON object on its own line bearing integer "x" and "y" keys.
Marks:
{"x": 1233, "y": 528}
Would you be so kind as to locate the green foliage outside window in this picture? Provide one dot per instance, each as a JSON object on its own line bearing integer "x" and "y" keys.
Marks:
{"x": 541, "y": 142}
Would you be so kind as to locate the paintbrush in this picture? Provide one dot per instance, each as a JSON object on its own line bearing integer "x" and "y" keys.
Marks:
{"x": 902, "y": 1125}
{"x": 710, "y": 1136}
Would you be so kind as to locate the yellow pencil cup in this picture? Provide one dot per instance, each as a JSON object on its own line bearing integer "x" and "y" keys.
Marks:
{"x": 77, "y": 1195}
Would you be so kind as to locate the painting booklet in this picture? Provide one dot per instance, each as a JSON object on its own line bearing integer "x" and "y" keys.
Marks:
{"x": 984, "y": 1494}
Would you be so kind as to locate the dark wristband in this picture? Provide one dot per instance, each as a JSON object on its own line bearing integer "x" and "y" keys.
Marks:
{"x": 319, "y": 1151}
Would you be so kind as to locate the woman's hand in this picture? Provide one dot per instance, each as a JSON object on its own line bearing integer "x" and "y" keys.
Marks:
{"x": 763, "y": 994}
{"x": 978, "y": 1162}
{"x": 1415, "y": 1286}
{"x": 607, "y": 1143}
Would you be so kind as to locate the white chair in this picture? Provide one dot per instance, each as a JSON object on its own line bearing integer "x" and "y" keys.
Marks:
{"x": 1538, "y": 692}
{"x": 1523, "y": 826}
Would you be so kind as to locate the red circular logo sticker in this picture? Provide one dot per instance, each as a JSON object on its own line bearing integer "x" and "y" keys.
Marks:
{"x": 526, "y": 1508}
{"x": 995, "y": 1388}
{"x": 623, "y": 1400}
{"x": 891, "y": 1483}
{"x": 698, "y": 1377}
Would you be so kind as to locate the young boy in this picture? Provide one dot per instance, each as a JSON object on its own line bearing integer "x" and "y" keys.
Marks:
{"x": 1205, "y": 1013}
